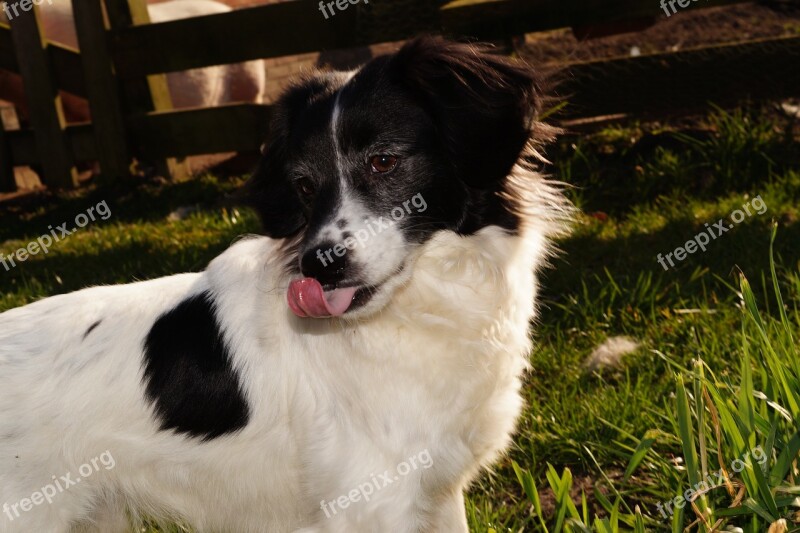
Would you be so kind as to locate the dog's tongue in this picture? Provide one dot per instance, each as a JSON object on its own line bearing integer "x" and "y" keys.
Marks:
{"x": 307, "y": 299}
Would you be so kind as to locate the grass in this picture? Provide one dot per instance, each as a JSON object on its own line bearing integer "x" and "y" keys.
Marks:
{"x": 717, "y": 371}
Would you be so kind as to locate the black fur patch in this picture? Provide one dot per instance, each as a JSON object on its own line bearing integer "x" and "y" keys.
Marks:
{"x": 91, "y": 329}
{"x": 188, "y": 373}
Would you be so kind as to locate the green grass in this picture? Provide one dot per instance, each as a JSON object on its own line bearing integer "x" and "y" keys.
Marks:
{"x": 600, "y": 450}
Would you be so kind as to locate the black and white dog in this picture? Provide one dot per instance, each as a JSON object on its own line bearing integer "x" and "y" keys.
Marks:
{"x": 351, "y": 371}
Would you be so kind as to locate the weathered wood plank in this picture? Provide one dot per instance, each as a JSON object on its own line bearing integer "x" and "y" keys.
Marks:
{"x": 7, "y": 183}
{"x": 23, "y": 147}
{"x": 67, "y": 71}
{"x": 46, "y": 113}
{"x": 253, "y": 33}
{"x": 8, "y": 60}
{"x": 231, "y": 128}
{"x": 494, "y": 19}
{"x": 676, "y": 82}
{"x": 107, "y": 118}
{"x": 80, "y": 140}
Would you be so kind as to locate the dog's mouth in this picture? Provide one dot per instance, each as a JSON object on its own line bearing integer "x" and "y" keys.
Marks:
{"x": 307, "y": 298}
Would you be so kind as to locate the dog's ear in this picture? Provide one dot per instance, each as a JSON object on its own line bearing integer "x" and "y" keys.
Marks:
{"x": 483, "y": 105}
{"x": 271, "y": 194}
{"x": 270, "y": 191}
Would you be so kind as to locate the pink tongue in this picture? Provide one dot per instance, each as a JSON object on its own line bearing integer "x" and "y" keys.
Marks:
{"x": 307, "y": 299}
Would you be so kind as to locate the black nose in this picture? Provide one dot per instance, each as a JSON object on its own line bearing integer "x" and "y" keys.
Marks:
{"x": 323, "y": 264}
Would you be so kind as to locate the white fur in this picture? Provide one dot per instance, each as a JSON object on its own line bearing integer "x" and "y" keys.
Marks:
{"x": 336, "y": 113}
{"x": 206, "y": 87}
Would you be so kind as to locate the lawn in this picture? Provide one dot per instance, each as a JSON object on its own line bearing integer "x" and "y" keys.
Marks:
{"x": 631, "y": 436}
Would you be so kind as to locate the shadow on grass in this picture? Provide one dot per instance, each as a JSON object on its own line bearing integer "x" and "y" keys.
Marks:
{"x": 701, "y": 280}
{"x": 128, "y": 202}
{"x": 124, "y": 263}
{"x": 629, "y": 164}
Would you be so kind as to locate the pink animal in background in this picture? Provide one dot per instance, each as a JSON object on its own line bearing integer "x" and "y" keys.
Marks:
{"x": 205, "y": 87}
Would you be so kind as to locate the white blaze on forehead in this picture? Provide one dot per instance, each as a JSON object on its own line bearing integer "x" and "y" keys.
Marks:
{"x": 335, "y": 137}
{"x": 379, "y": 250}
{"x": 335, "y": 116}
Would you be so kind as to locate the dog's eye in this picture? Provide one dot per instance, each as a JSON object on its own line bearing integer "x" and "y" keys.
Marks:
{"x": 382, "y": 164}
{"x": 305, "y": 186}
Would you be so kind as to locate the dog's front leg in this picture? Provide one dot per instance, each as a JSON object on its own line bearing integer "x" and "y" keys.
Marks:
{"x": 376, "y": 517}
{"x": 367, "y": 524}
{"x": 451, "y": 516}
{"x": 106, "y": 518}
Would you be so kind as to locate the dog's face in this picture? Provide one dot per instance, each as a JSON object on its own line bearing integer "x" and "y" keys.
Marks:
{"x": 362, "y": 168}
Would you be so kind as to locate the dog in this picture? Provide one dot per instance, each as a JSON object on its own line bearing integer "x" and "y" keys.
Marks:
{"x": 351, "y": 369}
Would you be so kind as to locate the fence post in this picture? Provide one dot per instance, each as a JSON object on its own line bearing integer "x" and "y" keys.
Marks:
{"x": 102, "y": 90}
{"x": 44, "y": 103}
{"x": 7, "y": 182}
{"x": 146, "y": 94}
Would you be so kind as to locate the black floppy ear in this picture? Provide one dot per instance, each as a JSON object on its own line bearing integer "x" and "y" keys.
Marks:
{"x": 484, "y": 105}
{"x": 270, "y": 192}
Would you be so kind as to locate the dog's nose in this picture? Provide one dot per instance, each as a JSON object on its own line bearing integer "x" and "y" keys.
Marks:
{"x": 324, "y": 264}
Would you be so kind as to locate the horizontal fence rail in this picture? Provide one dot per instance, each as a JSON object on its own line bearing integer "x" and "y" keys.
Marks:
{"x": 671, "y": 82}
{"x": 287, "y": 28}
{"x": 232, "y": 128}
{"x": 236, "y": 127}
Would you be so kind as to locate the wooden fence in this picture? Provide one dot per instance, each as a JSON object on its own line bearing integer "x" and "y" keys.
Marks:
{"x": 123, "y": 61}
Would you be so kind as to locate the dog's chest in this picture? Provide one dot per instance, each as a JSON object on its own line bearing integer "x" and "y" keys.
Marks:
{"x": 400, "y": 387}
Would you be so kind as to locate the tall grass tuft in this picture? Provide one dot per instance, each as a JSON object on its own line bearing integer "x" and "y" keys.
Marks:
{"x": 739, "y": 439}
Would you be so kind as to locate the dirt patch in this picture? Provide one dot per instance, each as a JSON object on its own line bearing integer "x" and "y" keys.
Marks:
{"x": 688, "y": 29}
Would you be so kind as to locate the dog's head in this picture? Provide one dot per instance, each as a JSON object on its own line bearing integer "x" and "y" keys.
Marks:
{"x": 361, "y": 168}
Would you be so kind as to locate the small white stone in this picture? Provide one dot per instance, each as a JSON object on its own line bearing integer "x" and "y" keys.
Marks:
{"x": 609, "y": 354}
{"x": 182, "y": 213}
